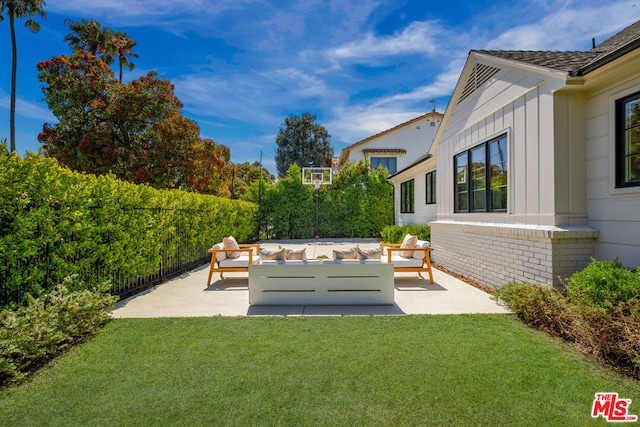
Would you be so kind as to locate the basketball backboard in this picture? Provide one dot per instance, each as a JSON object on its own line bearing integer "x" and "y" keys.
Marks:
{"x": 316, "y": 176}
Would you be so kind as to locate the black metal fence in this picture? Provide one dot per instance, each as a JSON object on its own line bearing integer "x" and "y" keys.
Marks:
{"x": 182, "y": 249}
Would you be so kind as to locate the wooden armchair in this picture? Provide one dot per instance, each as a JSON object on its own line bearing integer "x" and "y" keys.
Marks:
{"x": 418, "y": 263}
{"x": 221, "y": 263}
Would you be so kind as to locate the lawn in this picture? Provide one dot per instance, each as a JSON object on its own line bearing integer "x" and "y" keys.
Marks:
{"x": 398, "y": 370}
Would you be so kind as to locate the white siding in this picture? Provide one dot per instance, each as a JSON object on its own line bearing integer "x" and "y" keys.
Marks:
{"x": 415, "y": 138}
{"x": 615, "y": 212}
{"x": 521, "y": 106}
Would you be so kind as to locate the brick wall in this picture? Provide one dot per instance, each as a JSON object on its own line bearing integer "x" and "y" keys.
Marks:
{"x": 495, "y": 254}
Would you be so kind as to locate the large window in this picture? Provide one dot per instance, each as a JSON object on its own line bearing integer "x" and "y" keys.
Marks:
{"x": 628, "y": 141}
{"x": 430, "y": 196}
{"x": 481, "y": 177}
{"x": 407, "y": 196}
{"x": 385, "y": 162}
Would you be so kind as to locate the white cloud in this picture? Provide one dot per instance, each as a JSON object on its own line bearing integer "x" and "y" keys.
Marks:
{"x": 569, "y": 28}
{"x": 417, "y": 38}
{"x": 28, "y": 109}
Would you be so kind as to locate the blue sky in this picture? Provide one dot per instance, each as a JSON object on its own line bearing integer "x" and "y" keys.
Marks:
{"x": 241, "y": 66}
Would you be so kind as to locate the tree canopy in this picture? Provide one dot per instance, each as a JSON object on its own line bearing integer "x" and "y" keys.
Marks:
{"x": 303, "y": 141}
{"x": 135, "y": 130}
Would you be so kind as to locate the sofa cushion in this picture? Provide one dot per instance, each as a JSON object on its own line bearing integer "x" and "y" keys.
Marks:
{"x": 241, "y": 261}
{"x": 267, "y": 254}
{"x": 295, "y": 254}
{"x": 231, "y": 243}
{"x": 351, "y": 253}
{"x": 219, "y": 255}
{"x": 374, "y": 253}
{"x": 409, "y": 242}
{"x": 352, "y": 261}
{"x": 421, "y": 244}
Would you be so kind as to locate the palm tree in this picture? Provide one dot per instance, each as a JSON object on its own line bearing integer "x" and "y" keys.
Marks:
{"x": 19, "y": 9}
{"x": 90, "y": 36}
{"x": 123, "y": 46}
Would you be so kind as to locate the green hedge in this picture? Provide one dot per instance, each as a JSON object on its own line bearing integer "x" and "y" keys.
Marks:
{"x": 55, "y": 223}
{"x": 395, "y": 233}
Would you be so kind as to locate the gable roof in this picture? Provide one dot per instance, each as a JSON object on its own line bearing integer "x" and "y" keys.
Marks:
{"x": 345, "y": 151}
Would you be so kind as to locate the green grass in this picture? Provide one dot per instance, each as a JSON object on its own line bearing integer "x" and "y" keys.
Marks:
{"x": 410, "y": 370}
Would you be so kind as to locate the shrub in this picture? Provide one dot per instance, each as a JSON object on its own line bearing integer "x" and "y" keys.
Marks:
{"x": 395, "y": 233}
{"x": 38, "y": 331}
{"x": 600, "y": 314}
{"x": 604, "y": 283}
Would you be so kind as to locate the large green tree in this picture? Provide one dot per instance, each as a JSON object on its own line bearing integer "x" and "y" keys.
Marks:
{"x": 303, "y": 141}
{"x": 19, "y": 9}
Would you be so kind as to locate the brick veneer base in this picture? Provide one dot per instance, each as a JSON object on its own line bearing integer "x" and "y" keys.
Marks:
{"x": 495, "y": 254}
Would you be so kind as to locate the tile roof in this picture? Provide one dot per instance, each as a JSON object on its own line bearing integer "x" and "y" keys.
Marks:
{"x": 576, "y": 63}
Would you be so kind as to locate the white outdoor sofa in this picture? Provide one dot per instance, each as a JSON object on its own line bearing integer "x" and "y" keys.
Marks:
{"x": 321, "y": 282}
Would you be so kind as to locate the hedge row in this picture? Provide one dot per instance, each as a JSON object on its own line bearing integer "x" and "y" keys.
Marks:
{"x": 55, "y": 223}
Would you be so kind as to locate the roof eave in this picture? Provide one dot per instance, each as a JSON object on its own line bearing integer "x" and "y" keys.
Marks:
{"x": 606, "y": 59}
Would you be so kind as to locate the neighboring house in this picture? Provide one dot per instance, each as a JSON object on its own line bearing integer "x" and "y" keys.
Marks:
{"x": 397, "y": 147}
{"x": 538, "y": 159}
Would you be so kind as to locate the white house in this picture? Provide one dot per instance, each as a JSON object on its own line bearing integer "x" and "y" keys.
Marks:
{"x": 398, "y": 147}
{"x": 538, "y": 160}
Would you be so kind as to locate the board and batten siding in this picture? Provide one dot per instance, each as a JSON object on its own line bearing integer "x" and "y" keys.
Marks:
{"x": 542, "y": 237}
{"x": 613, "y": 211}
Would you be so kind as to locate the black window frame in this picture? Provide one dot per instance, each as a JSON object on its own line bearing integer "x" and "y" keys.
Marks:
{"x": 430, "y": 188}
{"x": 621, "y": 151}
{"x": 474, "y": 186}
{"x": 407, "y": 196}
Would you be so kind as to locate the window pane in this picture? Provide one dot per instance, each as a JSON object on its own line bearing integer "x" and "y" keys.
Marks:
{"x": 462, "y": 185}
{"x": 430, "y": 181}
{"x": 479, "y": 179}
{"x": 628, "y": 141}
{"x": 407, "y": 197}
{"x": 384, "y": 162}
{"x": 498, "y": 174}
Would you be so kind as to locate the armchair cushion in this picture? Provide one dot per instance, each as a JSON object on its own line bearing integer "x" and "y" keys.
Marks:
{"x": 409, "y": 242}
{"x": 231, "y": 243}
{"x": 241, "y": 261}
{"x": 219, "y": 255}
{"x": 421, "y": 244}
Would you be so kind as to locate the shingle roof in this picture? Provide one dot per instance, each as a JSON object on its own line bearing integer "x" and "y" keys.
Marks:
{"x": 563, "y": 61}
{"x": 576, "y": 63}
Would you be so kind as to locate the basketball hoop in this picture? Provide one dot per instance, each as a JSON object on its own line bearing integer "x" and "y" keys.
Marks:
{"x": 317, "y": 180}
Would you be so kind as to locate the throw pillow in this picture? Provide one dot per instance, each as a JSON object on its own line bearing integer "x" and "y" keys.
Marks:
{"x": 351, "y": 253}
{"x": 231, "y": 243}
{"x": 291, "y": 254}
{"x": 374, "y": 253}
{"x": 409, "y": 242}
{"x": 276, "y": 254}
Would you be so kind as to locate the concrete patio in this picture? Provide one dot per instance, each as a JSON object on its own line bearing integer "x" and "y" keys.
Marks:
{"x": 189, "y": 296}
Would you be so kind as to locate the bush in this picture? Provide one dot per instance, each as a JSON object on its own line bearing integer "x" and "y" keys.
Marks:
{"x": 600, "y": 313}
{"x": 603, "y": 284}
{"x": 35, "y": 333}
{"x": 395, "y": 233}
{"x": 55, "y": 223}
